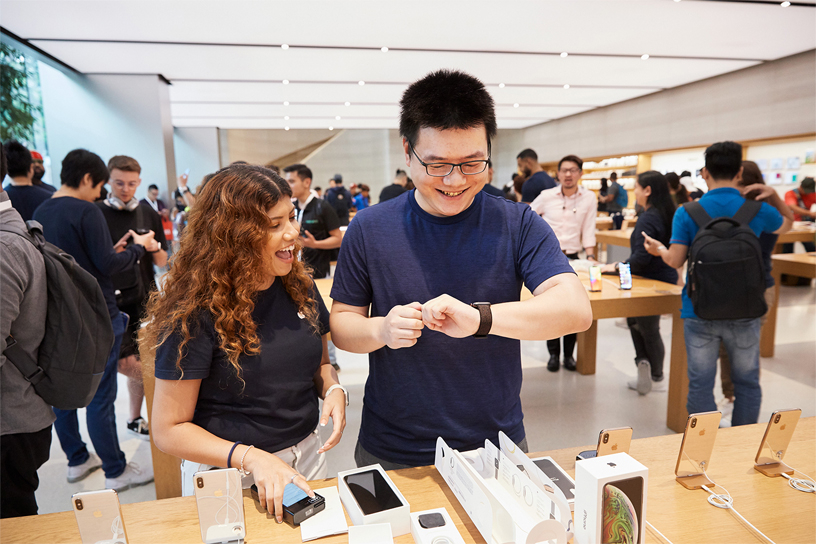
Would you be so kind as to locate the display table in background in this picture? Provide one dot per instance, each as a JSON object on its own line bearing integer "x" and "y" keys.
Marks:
{"x": 684, "y": 516}
{"x": 795, "y": 264}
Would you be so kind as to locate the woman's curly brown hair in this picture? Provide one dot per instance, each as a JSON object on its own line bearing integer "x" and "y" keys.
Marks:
{"x": 220, "y": 262}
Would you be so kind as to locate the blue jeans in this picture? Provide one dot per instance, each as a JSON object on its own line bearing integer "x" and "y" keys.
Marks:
{"x": 100, "y": 416}
{"x": 741, "y": 339}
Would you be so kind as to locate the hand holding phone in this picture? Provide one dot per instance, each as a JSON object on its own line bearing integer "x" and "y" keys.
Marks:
{"x": 271, "y": 478}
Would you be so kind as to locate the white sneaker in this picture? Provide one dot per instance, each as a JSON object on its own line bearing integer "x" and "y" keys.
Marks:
{"x": 133, "y": 476}
{"x": 80, "y": 472}
{"x": 643, "y": 384}
{"x": 661, "y": 387}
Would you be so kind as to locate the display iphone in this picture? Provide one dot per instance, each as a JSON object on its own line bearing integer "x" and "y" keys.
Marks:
{"x": 220, "y": 505}
{"x": 775, "y": 443}
{"x": 610, "y": 441}
{"x": 372, "y": 492}
{"x": 696, "y": 449}
{"x": 622, "y": 510}
{"x": 99, "y": 517}
{"x": 625, "y": 272}
{"x": 595, "y": 278}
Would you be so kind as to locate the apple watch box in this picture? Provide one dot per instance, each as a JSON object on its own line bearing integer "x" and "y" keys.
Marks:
{"x": 434, "y": 527}
{"x": 610, "y": 499}
{"x": 370, "y": 497}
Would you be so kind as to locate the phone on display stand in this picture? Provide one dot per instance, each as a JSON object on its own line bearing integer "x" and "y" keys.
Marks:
{"x": 595, "y": 278}
{"x": 220, "y": 503}
{"x": 696, "y": 449}
{"x": 625, "y": 272}
{"x": 610, "y": 441}
{"x": 775, "y": 443}
{"x": 99, "y": 517}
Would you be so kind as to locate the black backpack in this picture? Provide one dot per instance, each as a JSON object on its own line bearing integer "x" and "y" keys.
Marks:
{"x": 78, "y": 332}
{"x": 726, "y": 271}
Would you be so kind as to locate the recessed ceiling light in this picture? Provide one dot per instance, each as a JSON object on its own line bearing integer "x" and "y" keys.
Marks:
{"x": 384, "y": 49}
{"x": 286, "y": 45}
{"x": 361, "y": 83}
{"x": 348, "y": 103}
{"x": 644, "y": 57}
{"x": 566, "y": 85}
{"x": 501, "y": 85}
{"x": 516, "y": 105}
{"x": 286, "y": 82}
{"x": 286, "y": 118}
{"x": 286, "y": 103}
{"x": 564, "y": 54}
{"x": 331, "y": 128}
{"x": 285, "y": 128}
{"x": 676, "y": 0}
{"x": 785, "y": 4}
{"x": 337, "y": 118}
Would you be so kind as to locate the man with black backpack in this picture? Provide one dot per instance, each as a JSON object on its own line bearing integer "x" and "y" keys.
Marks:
{"x": 723, "y": 299}
{"x": 25, "y": 418}
{"x": 72, "y": 222}
{"x": 124, "y": 213}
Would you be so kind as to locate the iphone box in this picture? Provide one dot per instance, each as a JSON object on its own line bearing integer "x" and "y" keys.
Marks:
{"x": 610, "y": 499}
{"x": 370, "y": 497}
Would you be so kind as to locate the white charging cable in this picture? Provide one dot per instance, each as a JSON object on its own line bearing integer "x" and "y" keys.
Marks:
{"x": 725, "y": 501}
{"x": 805, "y": 484}
{"x": 652, "y": 527}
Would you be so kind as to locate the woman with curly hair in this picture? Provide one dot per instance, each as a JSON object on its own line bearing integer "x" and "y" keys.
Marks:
{"x": 239, "y": 336}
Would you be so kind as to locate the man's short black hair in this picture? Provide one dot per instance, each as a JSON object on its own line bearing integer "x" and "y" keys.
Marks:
{"x": 723, "y": 160}
{"x": 152, "y": 186}
{"x": 489, "y": 163}
{"x": 528, "y": 154}
{"x": 79, "y": 162}
{"x": 571, "y": 158}
{"x": 18, "y": 158}
{"x": 301, "y": 170}
{"x": 446, "y": 99}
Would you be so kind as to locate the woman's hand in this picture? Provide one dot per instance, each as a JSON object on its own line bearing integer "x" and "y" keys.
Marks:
{"x": 271, "y": 476}
{"x": 609, "y": 268}
{"x": 334, "y": 407}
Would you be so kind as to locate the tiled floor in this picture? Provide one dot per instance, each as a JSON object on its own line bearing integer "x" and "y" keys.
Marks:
{"x": 561, "y": 409}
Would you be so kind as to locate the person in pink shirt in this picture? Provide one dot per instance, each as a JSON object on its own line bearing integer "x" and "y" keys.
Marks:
{"x": 570, "y": 210}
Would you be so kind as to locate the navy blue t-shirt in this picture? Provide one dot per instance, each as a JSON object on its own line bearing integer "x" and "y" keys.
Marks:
{"x": 465, "y": 390}
{"x": 276, "y": 405}
{"x": 26, "y": 198}
{"x": 79, "y": 228}
{"x": 535, "y": 184}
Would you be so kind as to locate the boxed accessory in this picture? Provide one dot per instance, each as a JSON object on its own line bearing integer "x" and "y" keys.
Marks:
{"x": 370, "y": 497}
{"x": 558, "y": 476}
{"x": 434, "y": 527}
{"x": 610, "y": 499}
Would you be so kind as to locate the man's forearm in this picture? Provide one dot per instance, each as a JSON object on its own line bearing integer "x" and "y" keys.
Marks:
{"x": 356, "y": 333}
{"x": 559, "y": 310}
{"x": 800, "y": 210}
{"x": 776, "y": 201}
{"x": 160, "y": 258}
{"x": 329, "y": 243}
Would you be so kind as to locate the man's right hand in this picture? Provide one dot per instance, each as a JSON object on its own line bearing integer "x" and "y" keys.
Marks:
{"x": 402, "y": 326}
{"x": 145, "y": 240}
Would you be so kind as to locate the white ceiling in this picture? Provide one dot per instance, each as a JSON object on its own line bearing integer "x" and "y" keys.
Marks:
{"x": 227, "y": 68}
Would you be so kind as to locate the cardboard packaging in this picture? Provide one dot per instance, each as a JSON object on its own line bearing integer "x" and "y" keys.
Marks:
{"x": 610, "y": 499}
{"x": 398, "y": 516}
{"x": 447, "y": 533}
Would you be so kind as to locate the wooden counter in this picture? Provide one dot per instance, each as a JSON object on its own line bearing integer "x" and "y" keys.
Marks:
{"x": 795, "y": 264}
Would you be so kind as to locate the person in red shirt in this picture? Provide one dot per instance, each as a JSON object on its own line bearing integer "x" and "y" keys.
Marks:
{"x": 802, "y": 199}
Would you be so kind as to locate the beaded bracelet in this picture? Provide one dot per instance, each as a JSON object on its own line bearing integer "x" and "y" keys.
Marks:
{"x": 241, "y": 470}
{"x": 229, "y": 457}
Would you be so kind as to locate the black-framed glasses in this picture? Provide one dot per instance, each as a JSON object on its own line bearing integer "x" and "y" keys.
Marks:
{"x": 442, "y": 169}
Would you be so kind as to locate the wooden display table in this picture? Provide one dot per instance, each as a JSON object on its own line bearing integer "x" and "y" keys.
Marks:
{"x": 795, "y": 264}
{"x": 684, "y": 516}
{"x": 796, "y": 234}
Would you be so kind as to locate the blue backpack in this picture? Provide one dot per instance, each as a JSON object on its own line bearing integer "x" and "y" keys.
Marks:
{"x": 622, "y": 198}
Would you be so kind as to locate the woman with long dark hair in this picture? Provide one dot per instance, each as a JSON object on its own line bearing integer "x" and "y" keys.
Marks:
{"x": 239, "y": 336}
{"x": 652, "y": 193}
{"x": 678, "y": 190}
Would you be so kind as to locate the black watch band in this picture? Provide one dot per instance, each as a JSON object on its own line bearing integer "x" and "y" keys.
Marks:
{"x": 485, "y": 319}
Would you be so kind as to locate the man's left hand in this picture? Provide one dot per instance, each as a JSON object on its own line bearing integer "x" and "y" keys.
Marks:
{"x": 451, "y": 317}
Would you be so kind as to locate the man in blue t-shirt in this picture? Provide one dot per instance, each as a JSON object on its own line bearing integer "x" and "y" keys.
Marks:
{"x": 537, "y": 179}
{"x": 429, "y": 285}
{"x": 723, "y": 166}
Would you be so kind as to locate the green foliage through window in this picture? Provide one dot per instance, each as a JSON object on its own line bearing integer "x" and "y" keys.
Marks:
{"x": 19, "y": 111}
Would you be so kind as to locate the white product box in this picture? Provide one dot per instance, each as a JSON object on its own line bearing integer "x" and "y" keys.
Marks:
{"x": 379, "y": 533}
{"x": 447, "y": 533}
{"x": 610, "y": 492}
{"x": 397, "y": 516}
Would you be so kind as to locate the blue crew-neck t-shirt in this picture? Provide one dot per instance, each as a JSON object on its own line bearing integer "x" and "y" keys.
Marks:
{"x": 722, "y": 202}
{"x": 465, "y": 390}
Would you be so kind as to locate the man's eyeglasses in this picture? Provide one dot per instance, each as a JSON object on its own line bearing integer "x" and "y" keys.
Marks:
{"x": 570, "y": 170}
{"x": 442, "y": 169}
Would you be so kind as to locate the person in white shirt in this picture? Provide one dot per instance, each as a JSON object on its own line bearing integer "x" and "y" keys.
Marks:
{"x": 570, "y": 210}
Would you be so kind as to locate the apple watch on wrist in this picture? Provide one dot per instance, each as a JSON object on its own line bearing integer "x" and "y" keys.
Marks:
{"x": 485, "y": 319}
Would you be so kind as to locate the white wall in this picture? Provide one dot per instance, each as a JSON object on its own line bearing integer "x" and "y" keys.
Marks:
{"x": 771, "y": 155}
{"x": 197, "y": 149}
{"x": 109, "y": 115}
